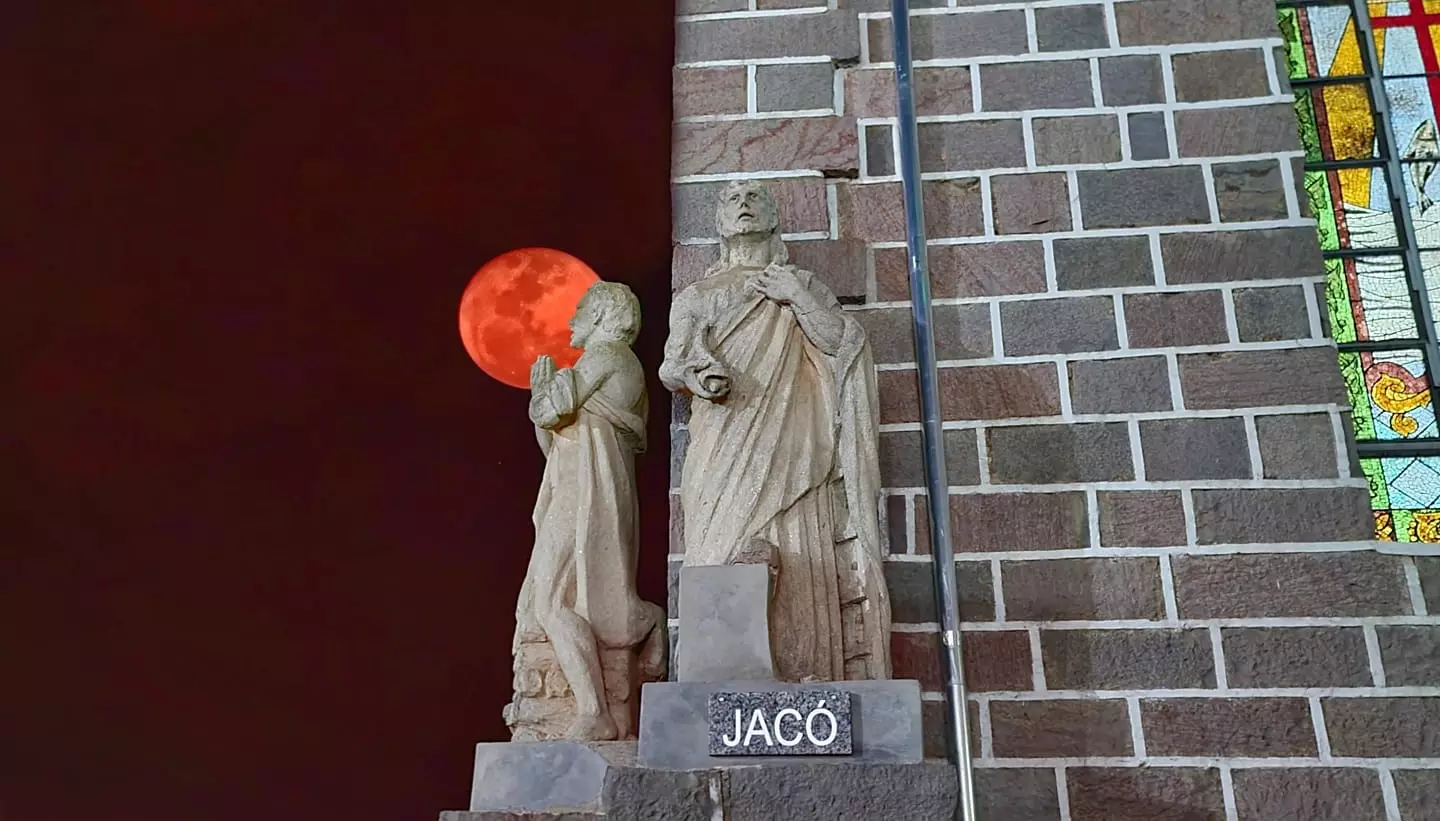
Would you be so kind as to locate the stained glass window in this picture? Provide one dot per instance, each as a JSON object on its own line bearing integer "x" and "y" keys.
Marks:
{"x": 1366, "y": 77}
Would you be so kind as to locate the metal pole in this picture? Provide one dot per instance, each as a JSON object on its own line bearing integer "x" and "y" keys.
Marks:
{"x": 947, "y": 596}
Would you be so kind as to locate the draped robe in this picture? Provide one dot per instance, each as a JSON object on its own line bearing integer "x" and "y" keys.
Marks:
{"x": 586, "y": 515}
{"x": 787, "y": 462}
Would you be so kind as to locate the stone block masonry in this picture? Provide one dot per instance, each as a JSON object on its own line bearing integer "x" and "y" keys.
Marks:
{"x": 1172, "y": 608}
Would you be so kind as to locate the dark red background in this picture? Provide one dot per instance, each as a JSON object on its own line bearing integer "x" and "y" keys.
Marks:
{"x": 264, "y": 522}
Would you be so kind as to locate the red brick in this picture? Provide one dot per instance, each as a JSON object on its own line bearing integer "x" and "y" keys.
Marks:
{"x": 823, "y": 143}
{"x": 833, "y": 34}
{"x": 999, "y": 391}
{"x": 1163, "y": 22}
{"x": 1082, "y": 589}
{"x": 1030, "y": 203}
{"x": 1259, "y": 515}
{"x": 970, "y": 144}
{"x": 987, "y": 522}
{"x": 934, "y": 716}
{"x": 1411, "y": 654}
{"x": 1056, "y": 729}
{"x": 688, "y": 264}
{"x": 1146, "y": 793}
{"x": 912, "y": 591}
{"x": 1183, "y": 318}
{"x": 840, "y": 264}
{"x": 1015, "y": 794}
{"x": 897, "y": 523}
{"x": 1050, "y": 454}
{"x": 967, "y": 270}
{"x": 961, "y": 332}
{"x": 1418, "y": 792}
{"x": 677, "y": 527}
{"x": 872, "y": 212}
{"x": 876, "y": 211}
{"x": 954, "y": 35}
{"x": 1246, "y": 728}
{"x": 902, "y": 462}
{"x": 992, "y": 660}
{"x": 1279, "y": 585}
{"x": 1296, "y": 657}
{"x": 1141, "y": 518}
{"x": 1383, "y": 727}
{"x": 953, "y": 208}
{"x": 982, "y": 392}
{"x": 709, "y": 91}
{"x": 1229, "y": 256}
{"x": 1311, "y": 793}
{"x": 1065, "y": 325}
{"x": 870, "y": 92}
{"x": 1127, "y": 659}
{"x": 1223, "y": 132}
{"x": 1253, "y": 379}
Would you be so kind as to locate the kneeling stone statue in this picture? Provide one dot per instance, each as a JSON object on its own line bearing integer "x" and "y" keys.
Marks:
{"x": 584, "y": 640}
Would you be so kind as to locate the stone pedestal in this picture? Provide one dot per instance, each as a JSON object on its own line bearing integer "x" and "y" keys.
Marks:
{"x": 671, "y": 775}
{"x": 543, "y": 705}
{"x": 545, "y": 776}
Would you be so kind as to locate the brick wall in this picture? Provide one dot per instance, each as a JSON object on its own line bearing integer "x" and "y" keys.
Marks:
{"x": 1170, "y": 607}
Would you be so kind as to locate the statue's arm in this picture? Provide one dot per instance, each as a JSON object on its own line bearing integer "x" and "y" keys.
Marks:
{"x": 686, "y": 354}
{"x": 820, "y": 316}
{"x": 554, "y": 403}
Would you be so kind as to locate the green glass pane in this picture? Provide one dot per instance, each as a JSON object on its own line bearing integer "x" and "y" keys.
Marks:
{"x": 1337, "y": 302}
{"x": 1354, "y": 377}
{"x": 1317, "y": 191}
{"x": 1294, "y": 45}
{"x": 1375, "y": 476}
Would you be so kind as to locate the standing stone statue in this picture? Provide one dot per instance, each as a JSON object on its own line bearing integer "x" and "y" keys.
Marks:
{"x": 584, "y": 641}
{"x": 782, "y": 466}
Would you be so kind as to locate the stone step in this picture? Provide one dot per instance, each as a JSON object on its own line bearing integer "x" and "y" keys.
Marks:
{"x": 462, "y": 815}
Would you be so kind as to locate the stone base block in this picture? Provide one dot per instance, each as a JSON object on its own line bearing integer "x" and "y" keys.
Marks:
{"x": 675, "y": 729}
{"x": 544, "y": 776}
{"x": 724, "y": 633}
{"x": 464, "y": 815}
{"x": 804, "y": 791}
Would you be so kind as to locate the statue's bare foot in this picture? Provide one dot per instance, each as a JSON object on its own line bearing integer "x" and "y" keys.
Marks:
{"x": 592, "y": 728}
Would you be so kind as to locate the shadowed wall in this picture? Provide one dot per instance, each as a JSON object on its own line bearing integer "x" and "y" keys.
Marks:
{"x": 264, "y": 521}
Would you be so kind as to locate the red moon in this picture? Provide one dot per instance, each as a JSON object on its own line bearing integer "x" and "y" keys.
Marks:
{"x": 518, "y": 306}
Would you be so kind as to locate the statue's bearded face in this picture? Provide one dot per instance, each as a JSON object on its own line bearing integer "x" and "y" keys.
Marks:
{"x": 746, "y": 208}
{"x": 584, "y": 323}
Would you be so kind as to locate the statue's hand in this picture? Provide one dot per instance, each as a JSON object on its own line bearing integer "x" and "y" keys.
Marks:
{"x": 711, "y": 382}
{"x": 542, "y": 372}
{"x": 779, "y": 282}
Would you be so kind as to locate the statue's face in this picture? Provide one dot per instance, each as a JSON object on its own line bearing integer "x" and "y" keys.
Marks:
{"x": 746, "y": 208}
{"x": 583, "y": 323}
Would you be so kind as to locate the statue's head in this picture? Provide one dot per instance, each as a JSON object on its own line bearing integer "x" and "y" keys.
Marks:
{"x": 609, "y": 311}
{"x": 746, "y": 207}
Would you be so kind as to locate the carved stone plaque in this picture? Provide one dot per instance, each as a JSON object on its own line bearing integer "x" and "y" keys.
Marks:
{"x": 800, "y": 722}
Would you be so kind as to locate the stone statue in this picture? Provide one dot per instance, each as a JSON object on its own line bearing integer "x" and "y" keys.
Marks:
{"x": 584, "y": 641}
{"x": 782, "y": 466}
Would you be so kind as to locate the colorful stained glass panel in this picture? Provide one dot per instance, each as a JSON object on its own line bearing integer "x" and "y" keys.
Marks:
{"x": 1408, "y": 492}
{"x": 1345, "y": 122}
{"x": 1397, "y": 391}
{"x": 1368, "y": 293}
{"x": 1380, "y": 303}
{"x": 1329, "y": 34}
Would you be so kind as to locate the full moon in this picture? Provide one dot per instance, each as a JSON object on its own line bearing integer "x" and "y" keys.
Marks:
{"x": 518, "y": 306}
